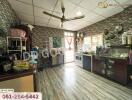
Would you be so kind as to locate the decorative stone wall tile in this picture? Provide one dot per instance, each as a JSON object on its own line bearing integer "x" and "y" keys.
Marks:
{"x": 41, "y": 35}
{"x": 7, "y": 17}
{"x": 124, "y": 18}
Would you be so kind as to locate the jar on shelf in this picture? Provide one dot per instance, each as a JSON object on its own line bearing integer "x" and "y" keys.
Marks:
{"x": 124, "y": 38}
{"x": 129, "y": 39}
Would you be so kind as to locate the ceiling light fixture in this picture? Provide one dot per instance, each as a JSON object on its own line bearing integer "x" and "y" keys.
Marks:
{"x": 79, "y": 13}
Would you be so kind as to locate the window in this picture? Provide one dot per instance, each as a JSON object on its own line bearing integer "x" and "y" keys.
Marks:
{"x": 68, "y": 34}
{"x": 87, "y": 43}
{"x": 90, "y": 42}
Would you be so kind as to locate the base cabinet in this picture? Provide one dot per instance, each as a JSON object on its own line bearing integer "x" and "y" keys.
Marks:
{"x": 87, "y": 64}
{"x": 112, "y": 68}
{"x": 57, "y": 60}
{"x": 120, "y": 71}
{"x": 50, "y": 61}
{"x": 21, "y": 84}
{"x": 99, "y": 66}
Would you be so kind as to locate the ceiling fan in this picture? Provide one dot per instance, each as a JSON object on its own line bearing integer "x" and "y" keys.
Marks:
{"x": 105, "y": 4}
{"x": 63, "y": 18}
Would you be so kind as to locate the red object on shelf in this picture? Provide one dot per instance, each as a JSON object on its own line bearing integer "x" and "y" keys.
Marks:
{"x": 14, "y": 32}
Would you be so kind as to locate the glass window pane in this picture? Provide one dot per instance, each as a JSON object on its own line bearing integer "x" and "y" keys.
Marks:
{"x": 100, "y": 39}
{"x": 94, "y": 39}
{"x": 65, "y": 33}
{"x": 72, "y": 34}
{"x": 87, "y": 40}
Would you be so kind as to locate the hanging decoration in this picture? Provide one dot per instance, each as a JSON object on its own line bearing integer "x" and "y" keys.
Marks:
{"x": 79, "y": 37}
{"x": 69, "y": 41}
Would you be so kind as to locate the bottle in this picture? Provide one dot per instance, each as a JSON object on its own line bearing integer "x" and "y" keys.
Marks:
{"x": 124, "y": 38}
{"x": 129, "y": 39}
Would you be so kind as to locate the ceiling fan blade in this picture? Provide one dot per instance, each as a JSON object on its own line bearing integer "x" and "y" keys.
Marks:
{"x": 51, "y": 15}
{"x": 62, "y": 4}
{"x": 61, "y": 24}
{"x": 62, "y": 7}
{"x": 74, "y": 18}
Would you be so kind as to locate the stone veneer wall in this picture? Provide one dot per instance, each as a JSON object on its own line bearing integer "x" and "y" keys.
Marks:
{"x": 7, "y": 18}
{"x": 41, "y": 35}
{"x": 124, "y": 17}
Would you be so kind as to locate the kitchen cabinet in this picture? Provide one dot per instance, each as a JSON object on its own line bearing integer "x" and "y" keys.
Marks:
{"x": 60, "y": 59}
{"x": 78, "y": 59}
{"x": 87, "y": 62}
{"x": 120, "y": 71}
{"x": 50, "y": 61}
{"x": 19, "y": 81}
{"x": 99, "y": 66}
{"x": 113, "y": 68}
{"x": 57, "y": 60}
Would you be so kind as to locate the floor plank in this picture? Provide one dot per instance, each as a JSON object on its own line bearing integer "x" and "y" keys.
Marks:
{"x": 70, "y": 82}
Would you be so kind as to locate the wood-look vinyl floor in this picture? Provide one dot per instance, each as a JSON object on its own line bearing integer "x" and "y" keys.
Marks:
{"x": 70, "y": 82}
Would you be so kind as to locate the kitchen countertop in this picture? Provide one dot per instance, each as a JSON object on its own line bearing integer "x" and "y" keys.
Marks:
{"x": 88, "y": 54}
{"x": 13, "y": 75}
{"x": 124, "y": 58}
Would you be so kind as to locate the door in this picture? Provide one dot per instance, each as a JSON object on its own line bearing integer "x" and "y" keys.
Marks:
{"x": 69, "y": 47}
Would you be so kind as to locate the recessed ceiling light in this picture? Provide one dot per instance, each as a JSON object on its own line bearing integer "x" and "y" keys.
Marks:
{"x": 79, "y": 13}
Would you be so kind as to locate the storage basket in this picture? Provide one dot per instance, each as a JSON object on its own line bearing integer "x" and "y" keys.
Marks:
{"x": 14, "y": 32}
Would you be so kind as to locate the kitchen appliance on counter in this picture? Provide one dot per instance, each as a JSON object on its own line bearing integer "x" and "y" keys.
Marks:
{"x": 79, "y": 59}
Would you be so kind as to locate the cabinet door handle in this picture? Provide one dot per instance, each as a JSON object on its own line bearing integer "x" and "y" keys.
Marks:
{"x": 103, "y": 71}
{"x": 110, "y": 67}
{"x": 111, "y": 61}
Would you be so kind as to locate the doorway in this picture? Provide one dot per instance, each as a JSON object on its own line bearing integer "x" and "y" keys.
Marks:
{"x": 69, "y": 47}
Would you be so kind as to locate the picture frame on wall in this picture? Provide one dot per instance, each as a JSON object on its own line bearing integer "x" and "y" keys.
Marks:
{"x": 55, "y": 42}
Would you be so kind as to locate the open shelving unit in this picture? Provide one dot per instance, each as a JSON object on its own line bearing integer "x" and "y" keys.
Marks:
{"x": 19, "y": 44}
